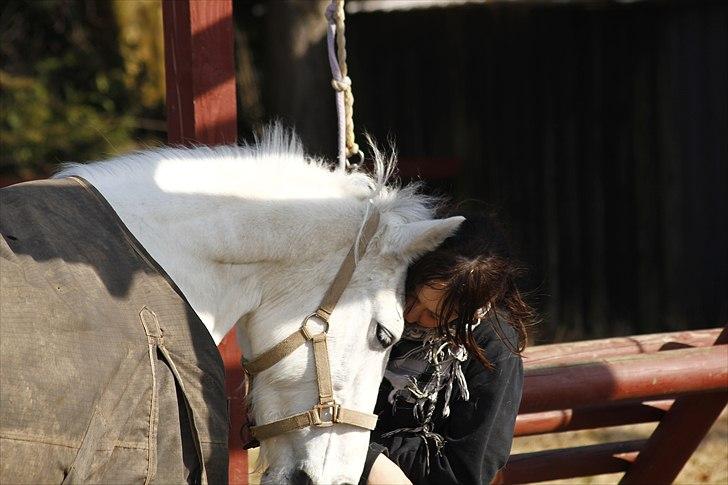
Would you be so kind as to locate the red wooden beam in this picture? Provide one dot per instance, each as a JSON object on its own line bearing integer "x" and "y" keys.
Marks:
{"x": 590, "y": 417}
{"x": 648, "y": 376}
{"x": 590, "y": 350}
{"x": 559, "y": 464}
{"x": 202, "y": 108}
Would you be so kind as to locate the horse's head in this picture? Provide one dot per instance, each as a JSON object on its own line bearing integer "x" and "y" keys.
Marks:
{"x": 366, "y": 321}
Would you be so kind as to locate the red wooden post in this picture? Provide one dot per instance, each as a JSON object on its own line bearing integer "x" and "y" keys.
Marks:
{"x": 201, "y": 108}
{"x": 200, "y": 71}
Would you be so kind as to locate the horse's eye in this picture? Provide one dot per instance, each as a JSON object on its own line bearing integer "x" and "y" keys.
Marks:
{"x": 384, "y": 336}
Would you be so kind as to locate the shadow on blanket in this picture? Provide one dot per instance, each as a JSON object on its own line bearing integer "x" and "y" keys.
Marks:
{"x": 108, "y": 375}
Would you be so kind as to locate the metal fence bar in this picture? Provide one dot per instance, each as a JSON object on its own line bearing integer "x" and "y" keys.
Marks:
{"x": 590, "y": 417}
{"x": 648, "y": 376}
{"x": 608, "y": 391}
{"x": 590, "y": 350}
{"x": 581, "y": 461}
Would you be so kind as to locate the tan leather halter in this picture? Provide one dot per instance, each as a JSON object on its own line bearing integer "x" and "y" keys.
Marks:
{"x": 327, "y": 412}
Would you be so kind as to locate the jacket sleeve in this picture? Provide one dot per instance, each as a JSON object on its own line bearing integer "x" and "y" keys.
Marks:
{"x": 478, "y": 433}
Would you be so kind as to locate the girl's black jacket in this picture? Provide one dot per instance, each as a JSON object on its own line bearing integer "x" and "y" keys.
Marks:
{"x": 478, "y": 432}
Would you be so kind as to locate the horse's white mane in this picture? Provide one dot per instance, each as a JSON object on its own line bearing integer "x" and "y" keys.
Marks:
{"x": 279, "y": 152}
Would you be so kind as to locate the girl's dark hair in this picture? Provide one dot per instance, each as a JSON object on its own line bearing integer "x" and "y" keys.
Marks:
{"x": 475, "y": 269}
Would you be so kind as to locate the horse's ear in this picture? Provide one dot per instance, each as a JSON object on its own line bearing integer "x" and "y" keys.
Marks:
{"x": 417, "y": 238}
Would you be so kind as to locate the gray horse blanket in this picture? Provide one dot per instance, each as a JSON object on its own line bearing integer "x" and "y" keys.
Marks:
{"x": 107, "y": 375}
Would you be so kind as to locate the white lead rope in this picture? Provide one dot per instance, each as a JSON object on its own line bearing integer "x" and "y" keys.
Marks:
{"x": 341, "y": 83}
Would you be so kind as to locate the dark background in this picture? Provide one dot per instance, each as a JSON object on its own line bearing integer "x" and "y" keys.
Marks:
{"x": 600, "y": 133}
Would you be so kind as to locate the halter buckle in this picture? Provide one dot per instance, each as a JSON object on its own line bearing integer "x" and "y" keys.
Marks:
{"x": 324, "y": 415}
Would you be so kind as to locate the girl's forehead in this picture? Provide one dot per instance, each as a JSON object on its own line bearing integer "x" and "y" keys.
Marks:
{"x": 430, "y": 295}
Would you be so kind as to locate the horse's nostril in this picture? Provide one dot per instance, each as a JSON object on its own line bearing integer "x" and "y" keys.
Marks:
{"x": 300, "y": 477}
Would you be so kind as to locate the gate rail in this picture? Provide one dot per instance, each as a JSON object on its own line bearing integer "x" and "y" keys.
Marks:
{"x": 678, "y": 379}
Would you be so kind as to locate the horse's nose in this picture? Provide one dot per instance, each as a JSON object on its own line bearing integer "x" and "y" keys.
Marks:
{"x": 300, "y": 477}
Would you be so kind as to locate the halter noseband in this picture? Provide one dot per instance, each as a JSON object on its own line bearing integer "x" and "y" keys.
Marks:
{"x": 327, "y": 412}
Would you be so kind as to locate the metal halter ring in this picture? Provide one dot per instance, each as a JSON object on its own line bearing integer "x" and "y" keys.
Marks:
{"x": 306, "y": 333}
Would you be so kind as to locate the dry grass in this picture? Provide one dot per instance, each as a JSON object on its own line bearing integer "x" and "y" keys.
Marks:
{"x": 709, "y": 463}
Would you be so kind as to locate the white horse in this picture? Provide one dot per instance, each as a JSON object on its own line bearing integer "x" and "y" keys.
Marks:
{"x": 253, "y": 236}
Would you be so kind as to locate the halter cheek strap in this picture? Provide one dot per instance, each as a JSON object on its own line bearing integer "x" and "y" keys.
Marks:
{"x": 327, "y": 412}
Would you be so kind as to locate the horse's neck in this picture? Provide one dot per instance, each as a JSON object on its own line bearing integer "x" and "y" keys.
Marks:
{"x": 222, "y": 250}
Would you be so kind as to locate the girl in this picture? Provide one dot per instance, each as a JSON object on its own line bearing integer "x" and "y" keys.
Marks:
{"x": 451, "y": 391}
